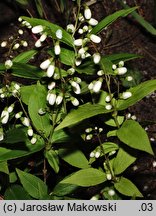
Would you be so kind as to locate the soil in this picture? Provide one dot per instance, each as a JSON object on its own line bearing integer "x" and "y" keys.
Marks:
{"x": 125, "y": 35}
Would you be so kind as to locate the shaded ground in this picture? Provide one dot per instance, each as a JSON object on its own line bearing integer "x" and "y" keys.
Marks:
{"x": 125, "y": 35}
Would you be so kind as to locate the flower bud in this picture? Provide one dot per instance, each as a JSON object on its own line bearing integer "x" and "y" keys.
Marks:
{"x": 108, "y": 107}
{"x": 76, "y": 87}
{"x": 89, "y": 137}
{"x": 4, "y": 44}
{"x": 88, "y": 130}
{"x": 121, "y": 63}
{"x": 90, "y": 86}
{"x": 97, "y": 86}
{"x": 37, "y": 29}
{"x": 126, "y": 95}
{"x": 20, "y": 31}
{"x": 78, "y": 42}
{"x": 71, "y": 71}
{"x": 92, "y": 155}
{"x": 81, "y": 17}
{"x": 26, "y": 122}
{"x": 109, "y": 176}
{"x": 95, "y": 38}
{"x": 85, "y": 28}
{"x": 111, "y": 192}
{"x": 41, "y": 111}
{"x": 1, "y": 134}
{"x": 59, "y": 34}
{"x": 75, "y": 101}
{"x": 8, "y": 64}
{"x": 114, "y": 67}
{"x": 38, "y": 43}
{"x": 16, "y": 86}
{"x": 96, "y": 58}
{"x": 59, "y": 99}
{"x": 4, "y": 116}
{"x": 121, "y": 70}
{"x": 78, "y": 62}
{"x": 87, "y": 13}
{"x": 80, "y": 31}
{"x": 30, "y": 132}
{"x": 44, "y": 65}
{"x": 43, "y": 37}
{"x": 20, "y": 19}
{"x": 57, "y": 49}
{"x": 97, "y": 154}
{"x": 93, "y": 22}
{"x": 10, "y": 108}
{"x": 51, "y": 85}
{"x": 70, "y": 28}
{"x": 52, "y": 98}
{"x": 18, "y": 115}
{"x": 100, "y": 73}
{"x": 24, "y": 43}
{"x": 50, "y": 70}
{"x": 16, "y": 46}
{"x": 33, "y": 140}
{"x": 108, "y": 98}
{"x": 129, "y": 78}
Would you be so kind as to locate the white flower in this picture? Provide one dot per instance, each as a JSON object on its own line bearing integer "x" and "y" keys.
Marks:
{"x": 100, "y": 130}
{"x": 38, "y": 43}
{"x": 92, "y": 155}
{"x": 16, "y": 46}
{"x": 88, "y": 130}
{"x": 59, "y": 34}
{"x": 57, "y": 49}
{"x": 43, "y": 37}
{"x": 70, "y": 28}
{"x": 95, "y": 38}
{"x": 51, "y": 85}
{"x": 80, "y": 31}
{"x": 108, "y": 107}
{"x": 109, "y": 176}
{"x": 111, "y": 192}
{"x": 2, "y": 95}
{"x": 24, "y": 43}
{"x": 78, "y": 62}
{"x": 4, "y": 116}
{"x": 95, "y": 198}
{"x": 59, "y": 99}
{"x": 121, "y": 63}
{"x": 121, "y": 70}
{"x": 44, "y": 65}
{"x": 26, "y": 122}
{"x": 126, "y": 95}
{"x": 10, "y": 108}
{"x": 75, "y": 101}
{"x": 97, "y": 154}
{"x": 37, "y": 29}
{"x": 89, "y": 137}
{"x": 96, "y": 58}
{"x": 114, "y": 67}
{"x": 30, "y": 132}
{"x": 100, "y": 73}
{"x": 134, "y": 117}
{"x": 1, "y": 134}
{"x": 71, "y": 71}
{"x": 33, "y": 140}
{"x": 8, "y": 64}
{"x": 108, "y": 98}
{"x": 20, "y": 19}
{"x": 20, "y": 31}
{"x": 87, "y": 13}
{"x": 129, "y": 78}
{"x": 3, "y": 44}
{"x": 78, "y": 42}
{"x": 50, "y": 70}
{"x": 97, "y": 86}
{"x": 90, "y": 86}
{"x": 52, "y": 98}
{"x": 18, "y": 115}
{"x": 154, "y": 164}
{"x": 76, "y": 87}
{"x": 82, "y": 51}
{"x": 93, "y": 22}
{"x": 85, "y": 28}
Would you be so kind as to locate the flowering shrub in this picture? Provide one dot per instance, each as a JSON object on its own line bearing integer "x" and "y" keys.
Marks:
{"x": 70, "y": 123}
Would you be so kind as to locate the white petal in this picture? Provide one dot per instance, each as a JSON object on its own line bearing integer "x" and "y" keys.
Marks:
{"x": 59, "y": 34}
{"x": 37, "y": 29}
{"x": 78, "y": 42}
{"x": 57, "y": 49}
{"x": 4, "y": 117}
{"x": 96, "y": 58}
{"x": 121, "y": 70}
{"x": 97, "y": 86}
{"x": 95, "y": 38}
{"x": 59, "y": 99}
{"x": 52, "y": 99}
{"x": 44, "y": 65}
{"x": 87, "y": 13}
{"x": 38, "y": 43}
{"x": 93, "y": 22}
{"x": 50, "y": 70}
{"x": 126, "y": 95}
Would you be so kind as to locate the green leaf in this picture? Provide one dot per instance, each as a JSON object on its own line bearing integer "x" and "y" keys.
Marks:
{"x": 24, "y": 57}
{"x": 126, "y": 187}
{"x": 4, "y": 167}
{"x": 32, "y": 184}
{"x": 16, "y": 192}
{"x": 20, "y": 150}
{"x": 83, "y": 112}
{"x": 39, "y": 7}
{"x": 122, "y": 161}
{"x": 138, "y": 92}
{"x": 15, "y": 135}
{"x": 60, "y": 136}
{"x": 86, "y": 177}
{"x": 26, "y": 71}
{"x": 111, "y": 133}
{"x": 111, "y": 18}
{"x": 67, "y": 57}
{"x": 73, "y": 156}
{"x": 37, "y": 101}
{"x": 111, "y": 122}
{"x": 26, "y": 92}
{"x": 23, "y": 2}
{"x": 53, "y": 160}
{"x": 106, "y": 66}
{"x": 141, "y": 21}
{"x": 88, "y": 67}
{"x": 64, "y": 189}
{"x": 116, "y": 58}
{"x": 51, "y": 29}
{"x": 132, "y": 134}
{"x": 2, "y": 67}
{"x": 109, "y": 147}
